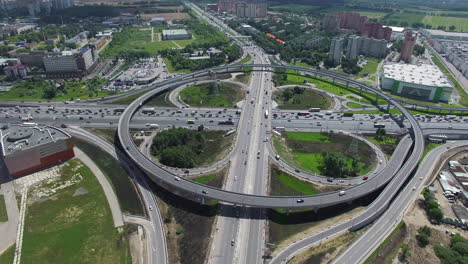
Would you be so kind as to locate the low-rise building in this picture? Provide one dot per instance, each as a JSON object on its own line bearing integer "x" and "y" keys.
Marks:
{"x": 422, "y": 82}
{"x": 440, "y": 34}
{"x": 176, "y": 34}
{"x": 157, "y": 21}
{"x": 15, "y": 72}
{"x": 71, "y": 64}
{"x": 456, "y": 52}
{"x": 27, "y": 148}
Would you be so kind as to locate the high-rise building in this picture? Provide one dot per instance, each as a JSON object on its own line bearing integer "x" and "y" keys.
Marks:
{"x": 251, "y": 9}
{"x": 377, "y": 31}
{"x": 408, "y": 46}
{"x": 336, "y": 48}
{"x": 227, "y": 6}
{"x": 331, "y": 21}
{"x": 366, "y": 46}
{"x": 35, "y": 7}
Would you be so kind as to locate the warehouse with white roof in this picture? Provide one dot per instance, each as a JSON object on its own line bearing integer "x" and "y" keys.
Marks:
{"x": 176, "y": 34}
{"x": 422, "y": 82}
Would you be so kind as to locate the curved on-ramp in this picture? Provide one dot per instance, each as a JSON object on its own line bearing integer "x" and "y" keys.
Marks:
{"x": 161, "y": 175}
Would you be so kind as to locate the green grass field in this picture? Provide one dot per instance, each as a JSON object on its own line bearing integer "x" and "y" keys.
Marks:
{"x": 306, "y": 136}
{"x": 285, "y": 184}
{"x": 33, "y": 90}
{"x": 225, "y": 95}
{"x": 3, "y": 211}
{"x": 294, "y": 8}
{"x": 158, "y": 100}
{"x": 245, "y": 60}
{"x": 304, "y": 150}
{"x": 460, "y": 23}
{"x": 65, "y": 228}
{"x": 429, "y": 146}
{"x": 354, "y": 105}
{"x": 139, "y": 39}
{"x": 304, "y": 101}
{"x": 126, "y": 193}
{"x": 8, "y": 256}
{"x": 205, "y": 179}
{"x": 371, "y": 66}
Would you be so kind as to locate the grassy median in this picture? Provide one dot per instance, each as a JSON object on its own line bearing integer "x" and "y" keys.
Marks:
{"x": 213, "y": 94}
{"x": 3, "y": 211}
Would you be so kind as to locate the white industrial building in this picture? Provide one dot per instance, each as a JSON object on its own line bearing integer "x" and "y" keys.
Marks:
{"x": 440, "y": 34}
{"x": 422, "y": 82}
{"x": 176, "y": 34}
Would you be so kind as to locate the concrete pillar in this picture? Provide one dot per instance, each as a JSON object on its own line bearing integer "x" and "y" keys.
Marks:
{"x": 347, "y": 84}
{"x": 316, "y": 209}
{"x": 388, "y": 107}
{"x": 287, "y": 211}
{"x": 333, "y": 79}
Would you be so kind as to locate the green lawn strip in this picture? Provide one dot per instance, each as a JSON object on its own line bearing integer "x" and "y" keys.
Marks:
{"x": 463, "y": 95}
{"x": 358, "y": 100}
{"x": 382, "y": 140}
{"x": 3, "y": 210}
{"x": 157, "y": 100}
{"x": 429, "y": 146}
{"x": 308, "y": 99}
{"x": 124, "y": 189}
{"x": 354, "y": 105}
{"x": 371, "y": 66}
{"x": 386, "y": 241}
{"x": 8, "y": 255}
{"x": 205, "y": 179}
{"x": 306, "y": 136}
{"x": 225, "y": 95}
{"x": 295, "y": 186}
{"x": 73, "y": 229}
{"x": 33, "y": 90}
{"x": 245, "y": 60}
{"x": 329, "y": 86}
{"x": 171, "y": 69}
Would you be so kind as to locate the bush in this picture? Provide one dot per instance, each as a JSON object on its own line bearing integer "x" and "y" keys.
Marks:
{"x": 423, "y": 236}
{"x": 456, "y": 254}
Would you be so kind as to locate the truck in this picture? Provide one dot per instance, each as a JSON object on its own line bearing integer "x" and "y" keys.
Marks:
{"x": 266, "y": 113}
{"x": 226, "y": 122}
{"x": 148, "y": 110}
{"x": 379, "y": 125}
{"x": 314, "y": 109}
{"x": 153, "y": 126}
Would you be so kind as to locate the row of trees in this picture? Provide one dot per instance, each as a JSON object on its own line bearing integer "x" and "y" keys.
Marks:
{"x": 432, "y": 207}
{"x": 178, "y": 147}
{"x": 457, "y": 253}
{"x": 350, "y": 66}
{"x": 289, "y": 93}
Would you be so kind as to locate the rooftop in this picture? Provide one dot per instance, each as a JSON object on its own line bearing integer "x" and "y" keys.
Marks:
{"x": 174, "y": 31}
{"x": 18, "y": 137}
{"x": 438, "y": 32}
{"x": 424, "y": 74}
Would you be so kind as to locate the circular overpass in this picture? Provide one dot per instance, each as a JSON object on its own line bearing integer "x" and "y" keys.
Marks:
{"x": 161, "y": 175}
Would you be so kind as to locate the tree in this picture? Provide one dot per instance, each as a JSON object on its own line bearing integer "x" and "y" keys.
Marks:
{"x": 419, "y": 50}
{"x": 200, "y": 128}
{"x": 405, "y": 251}
{"x": 380, "y": 132}
{"x": 335, "y": 164}
{"x": 452, "y": 28}
{"x": 49, "y": 92}
{"x": 423, "y": 236}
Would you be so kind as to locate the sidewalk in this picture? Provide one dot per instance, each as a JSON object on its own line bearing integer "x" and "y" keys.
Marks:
{"x": 8, "y": 229}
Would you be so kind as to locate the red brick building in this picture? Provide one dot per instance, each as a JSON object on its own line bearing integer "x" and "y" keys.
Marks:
{"x": 27, "y": 148}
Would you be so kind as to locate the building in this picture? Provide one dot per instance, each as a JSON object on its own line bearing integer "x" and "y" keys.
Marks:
{"x": 336, "y": 48}
{"x": 213, "y": 7}
{"x": 34, "y": 7}
{"x": 456, "y": 52}
{"x": 157, "y": 21}
{"x": 176, "y": 34}
{"x": 226, "y": 6}
{"x": 377, "y": 31}
{"x": 408, "y": 46}
{"x": 331, "y": 21}
{"x": 440, "y": 34}
{"x": 422, "y": 82}
{"x": 366, "y": 46}
{"x": 15, "y": 72}
{"x": 78, "y": 39}
{"x": 397, "y": 33}
{"x": 71, "y": 64}
{"x": 35, "y": 58}
{"x": 27, "y": 148}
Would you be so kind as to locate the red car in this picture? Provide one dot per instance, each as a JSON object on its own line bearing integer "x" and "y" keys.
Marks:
{"x": 365, "y": 177}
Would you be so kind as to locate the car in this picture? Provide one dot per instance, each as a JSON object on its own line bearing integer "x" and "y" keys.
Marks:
{"x": 232, "y": 242}
{"x": 414, "y": 188}
{"x": 186, "y": 171}
{"x": 296, "y": 170}
{"x": 330, "y": 179}
{"x": 365, "y": 177}
{"x": 341, "y": 193}
{"x": 204, "y": 192}
{"x": 151, "y": 208}
{"x": 176, "y": 178}
{"x": 127, "y": 147}
{"x": 300, "y": 201}
{"x": 277, "y": 157}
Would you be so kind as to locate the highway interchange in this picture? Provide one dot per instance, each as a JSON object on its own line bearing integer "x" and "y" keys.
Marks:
{"x": 240, "y": 228}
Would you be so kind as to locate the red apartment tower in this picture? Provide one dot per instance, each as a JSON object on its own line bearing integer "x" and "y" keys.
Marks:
{"x": 408, "y": 46}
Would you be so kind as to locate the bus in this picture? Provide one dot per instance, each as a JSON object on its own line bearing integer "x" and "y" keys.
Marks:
{"x": 190, "y": 122}
{"x": 314, "y": 109}
{"x": 226, "y": 122}
{"x": 379, "y": 125}
{"x": 148, "y": 110}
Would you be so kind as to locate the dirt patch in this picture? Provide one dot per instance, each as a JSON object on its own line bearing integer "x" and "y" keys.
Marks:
{"x": 326, "y": 252}
{"x": 80, "y": 191}
{"x": 387, "y": 251}
{"x": 137, "y": 246}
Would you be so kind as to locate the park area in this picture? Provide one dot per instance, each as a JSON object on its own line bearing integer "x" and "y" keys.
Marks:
{"x": 213, "y": 94}
{"x": 302, "y": 99}
{"x": 38, "y": 89}
{"x": 327, "y": 154}
{"x": 184, "y": 148}
{"x": 68, "y": 220}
